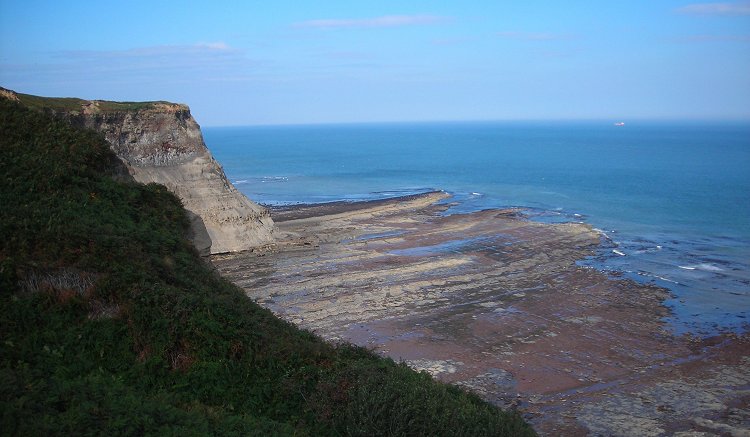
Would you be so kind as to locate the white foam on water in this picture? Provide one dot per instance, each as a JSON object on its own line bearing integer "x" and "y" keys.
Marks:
{"x": 666, "y": 279}
{"x": 651, "y": 275}
{"x": 274, "y": 179}
{"x": 706, "y": 267}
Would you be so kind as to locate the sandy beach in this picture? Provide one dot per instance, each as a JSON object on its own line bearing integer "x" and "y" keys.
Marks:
{"x": 496, "y": 303}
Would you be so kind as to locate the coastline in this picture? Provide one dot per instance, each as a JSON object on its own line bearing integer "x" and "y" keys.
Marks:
{"x": 661, "y": 216}
{"x": 336, "y": 208}
{"x": 496, "y": 303}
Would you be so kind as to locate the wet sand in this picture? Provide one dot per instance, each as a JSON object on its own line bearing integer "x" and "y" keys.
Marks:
{"x": 496, "y": 303}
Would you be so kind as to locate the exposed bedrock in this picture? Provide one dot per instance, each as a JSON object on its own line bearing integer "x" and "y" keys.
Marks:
{"x": 497, "y": 303}
{"x": 161, "y": 142}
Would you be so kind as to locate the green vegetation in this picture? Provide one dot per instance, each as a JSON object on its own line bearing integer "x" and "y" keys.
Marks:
{"x": 112, "y": 324}
{"x": 70, "y": 104}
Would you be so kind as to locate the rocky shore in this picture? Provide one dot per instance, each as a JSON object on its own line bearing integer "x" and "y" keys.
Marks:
{"x": 496, "y": 303}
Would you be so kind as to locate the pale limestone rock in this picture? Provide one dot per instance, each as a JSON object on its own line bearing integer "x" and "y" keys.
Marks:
{"x": 161, "y": 142}
{"x": 165, "y": 145}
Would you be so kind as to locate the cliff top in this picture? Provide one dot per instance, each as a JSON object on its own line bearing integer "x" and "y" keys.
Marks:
{"x": 72, "y": 104}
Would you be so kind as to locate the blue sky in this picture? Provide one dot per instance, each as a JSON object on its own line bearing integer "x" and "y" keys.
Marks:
{"x": 247, "y": 62}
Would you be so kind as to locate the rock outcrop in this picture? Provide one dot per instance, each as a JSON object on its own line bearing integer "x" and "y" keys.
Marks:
{"x": 161, "y": 142}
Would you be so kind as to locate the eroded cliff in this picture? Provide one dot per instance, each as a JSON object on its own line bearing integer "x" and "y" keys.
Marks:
{"x": 161, "y": 142}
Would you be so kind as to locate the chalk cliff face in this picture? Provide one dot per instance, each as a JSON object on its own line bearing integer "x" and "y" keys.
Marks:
{"x": 161, "y": 142}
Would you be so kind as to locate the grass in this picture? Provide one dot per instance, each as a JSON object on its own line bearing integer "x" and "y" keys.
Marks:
{"x": 70, "y": 104}
{"x": 112, "y": 324}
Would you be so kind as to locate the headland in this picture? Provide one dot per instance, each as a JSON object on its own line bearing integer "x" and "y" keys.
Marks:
{"x": 488, "y": 300}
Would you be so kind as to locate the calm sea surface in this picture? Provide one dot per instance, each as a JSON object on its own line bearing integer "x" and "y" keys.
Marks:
{"x": 674, "y": 199}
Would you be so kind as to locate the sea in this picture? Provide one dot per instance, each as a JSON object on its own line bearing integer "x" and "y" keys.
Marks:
{"x": 671, "y": 199}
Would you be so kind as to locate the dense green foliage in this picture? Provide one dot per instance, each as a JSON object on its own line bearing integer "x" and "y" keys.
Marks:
{"x": 111, "y": 323}
{"x": 75, "y": 104}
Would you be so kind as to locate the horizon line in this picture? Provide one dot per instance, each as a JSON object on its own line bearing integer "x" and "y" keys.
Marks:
{"x": 625, "y": 120}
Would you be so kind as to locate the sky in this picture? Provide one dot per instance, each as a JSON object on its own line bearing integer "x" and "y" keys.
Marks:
{"x": 300, "y": 62}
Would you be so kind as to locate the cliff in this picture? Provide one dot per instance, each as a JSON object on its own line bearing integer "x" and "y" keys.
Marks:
{"x": 112, "y": 325}
{"x": 161, "y": 142}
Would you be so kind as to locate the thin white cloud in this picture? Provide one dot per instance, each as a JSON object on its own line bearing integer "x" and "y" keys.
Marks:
{"x": 163, "y": 51}
{"x": 713, "y": 38}
{"x": 535, "y": 36}
{"x": 187, "y": 62}
{"x": 219, "y": 45}
{"x": 733, "y": 8}
{"x": 384, "y": 21}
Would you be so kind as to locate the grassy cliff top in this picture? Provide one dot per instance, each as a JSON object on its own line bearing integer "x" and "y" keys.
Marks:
{"x": 73, "y": 104}
{"x": 111, "y": 323}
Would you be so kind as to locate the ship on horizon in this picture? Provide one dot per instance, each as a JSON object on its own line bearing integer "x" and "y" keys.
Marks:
{"x": 620, "y": 123}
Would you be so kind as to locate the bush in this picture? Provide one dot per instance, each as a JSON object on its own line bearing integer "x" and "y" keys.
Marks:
{"x": 112, "y": 324}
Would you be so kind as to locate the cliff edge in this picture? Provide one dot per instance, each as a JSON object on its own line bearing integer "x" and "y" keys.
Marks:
{"x": 161, "y": 142}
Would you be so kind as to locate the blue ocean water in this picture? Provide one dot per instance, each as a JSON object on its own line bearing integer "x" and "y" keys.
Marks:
{"x": 673, "y": 198}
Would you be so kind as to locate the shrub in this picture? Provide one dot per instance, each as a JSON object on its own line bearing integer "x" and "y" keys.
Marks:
{"x": 112, "y": 324}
